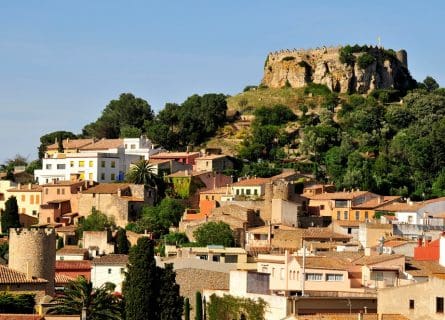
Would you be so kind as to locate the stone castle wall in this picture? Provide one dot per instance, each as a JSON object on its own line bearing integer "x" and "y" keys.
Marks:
{"x": 33, "y": 252}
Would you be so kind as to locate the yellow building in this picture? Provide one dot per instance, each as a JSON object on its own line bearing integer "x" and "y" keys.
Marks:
{"x": 29, "y": 198}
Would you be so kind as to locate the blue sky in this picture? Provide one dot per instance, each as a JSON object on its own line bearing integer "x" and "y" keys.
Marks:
{"x": 61, "y": 62}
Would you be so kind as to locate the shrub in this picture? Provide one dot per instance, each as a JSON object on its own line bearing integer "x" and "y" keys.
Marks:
{"x": 250, "y": 87}
{"x": 365, "y": 60}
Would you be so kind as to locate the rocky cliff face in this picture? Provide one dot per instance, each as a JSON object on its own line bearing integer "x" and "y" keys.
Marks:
{"x": 383, "y": 69}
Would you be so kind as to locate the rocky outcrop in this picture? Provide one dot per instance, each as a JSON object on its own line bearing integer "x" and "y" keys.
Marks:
{"x": 297, "y": 68}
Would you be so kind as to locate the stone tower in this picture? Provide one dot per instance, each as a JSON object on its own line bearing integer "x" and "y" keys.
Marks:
{"x": 33, "y": 252}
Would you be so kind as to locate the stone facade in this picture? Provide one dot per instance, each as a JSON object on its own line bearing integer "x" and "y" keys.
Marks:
{"x": 33, "y": 252}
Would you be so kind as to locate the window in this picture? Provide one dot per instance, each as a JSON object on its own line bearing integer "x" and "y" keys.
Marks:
{"x": 61, "y": 166}
{"x": 255, "y": 192}
{"x": 34, "y": 212}
{"x": 31, "y": 199}
{"x": 109, "y": 270}
{"x": 366, "y": 215}
{"x": 37, "y": 198}
{"x": 113, "y": 164}
{"x": 207, "y": 163}
{"x": 71, "y": 164}
{"x": 63, "y": 190}
{"x": 46, "y": 190}
{"x": 338, "y": 215}
{"x": 48, "y": 166}
{"x": 439, "y": 304}
{"x": 90, "y": 176}
{"x": 48, "y": 220}
{"x": 207, "y": 197}
{"x": 23, "y": 198}
{"x": 122, "y": 270}
{"x": 273, "y": 272}
{"x": 90, "y": 163}
{"x": 102, "y": 164}
{"x": 248, "y": 191}
{"x": 58, "y": 191}
{"x": 314, "y": 277}
{"x": 345, "y": 215}
{"x": 341, "y": 203}
{"x": 411, "y": 304}
{"x": 334, "y": 277}
{"x": 237, "y": 192}
{"x": 113, "y": 177}
{"x": 357, "y": 215}
{"x": 102, "y": 176}
{"x": 133, "y": 146}
{"x": 264, "y": 269}
{"x": 81, "y": 164}
{"x": 322, "y": 207}
{"x": 377, "y": 276}
{"x": 282, "y": 274}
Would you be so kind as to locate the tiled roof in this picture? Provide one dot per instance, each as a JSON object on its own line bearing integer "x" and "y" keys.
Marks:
{"x": 251, "y": 182}
{"x": 26, "y": 188}
{"x": 111, "y": 260}
{"x": 423, "y": 268}
{"x": 331, "y": 263}
{"x": 211, "y": 157}
{"x": 324, "y": 233}
{"x": 347, "y": 223}
{"x": 408, "y": 207}
{"x": 107, "y": 188}
{"x": 395, "y": 243}
{"x": 376, "y": 202}
{"x": 70, "y": 228}
{"x": 173, "y": 155}
{"x": 156, "y": 161}
{"x": 71, "y": 144}
{"x": 222, "y": 190}
{"x": 337, "y": 195}
{"x": 72, "y": 250}
{"x": 73, "y": 265}
{"x": 374, "y": 259}
{"x": 265, "y": 229}
{"x": 9, "y": 276}
{"x": 64, "y": 183}
{"x": 104, "y": 144}
{"x": 62, "y": 279}
{"x": 188, "y": 173}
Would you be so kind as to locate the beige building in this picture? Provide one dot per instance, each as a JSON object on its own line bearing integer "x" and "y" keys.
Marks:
{"x": 29, "y": 198}
{"x": 120, "y": 201}
{"x": 370, "y": 234}
{"x": 214, "y": 162}
{"x": 417, "y": 301}
{"x": 5, "y": 185}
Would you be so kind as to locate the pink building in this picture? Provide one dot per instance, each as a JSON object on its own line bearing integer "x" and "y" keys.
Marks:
{"x": 181, "y": 157}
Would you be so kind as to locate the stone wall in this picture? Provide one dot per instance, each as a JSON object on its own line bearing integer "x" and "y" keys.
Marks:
{"x": 193, "y": 280}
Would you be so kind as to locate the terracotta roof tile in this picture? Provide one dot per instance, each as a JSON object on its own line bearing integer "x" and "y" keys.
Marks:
{"x": 377, "y": 202}
{"x": 174, "y": 155}
{"x": 337, "y": 195}
{"x": 222, "y": 190}
{"x": 107, "y": 188}
{"x": 423, "y": 268}
{"x": 72, "y": 250}
{"x": 73, "y": 265}
{"x": 252, "y": 182}
{"x": 374, "y": 259}
{"x": 111, "y": 260}
{"x": 347, "y": 223}
{"x": 331, "y": 263}
{"x": 8, "y": 276}
{"x": 62, "y": 279}
{"x": 323, "y": 233}
{"x": 71, "y": 144}
{"x": 104, "y": 144}
{"x": 211, "y": 157}
{"x": 408, "y": 207}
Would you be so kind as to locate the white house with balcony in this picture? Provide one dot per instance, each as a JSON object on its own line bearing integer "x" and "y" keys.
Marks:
{"x": 105, "y": 160}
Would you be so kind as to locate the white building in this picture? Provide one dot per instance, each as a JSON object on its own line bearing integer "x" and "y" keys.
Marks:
{"x": 109, "y": 268}
{"x": 105, "y": 160}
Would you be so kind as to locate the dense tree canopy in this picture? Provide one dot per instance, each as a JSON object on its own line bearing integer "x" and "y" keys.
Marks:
{"x": 126, "y": 112}
{"x": 217, "y": 233}
{"x": 10, "y": 216}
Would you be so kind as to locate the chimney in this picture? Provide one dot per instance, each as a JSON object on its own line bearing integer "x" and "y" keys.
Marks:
{"x": 19, "y": 185}
{"x": 380, "y": 199}
{"x": 119, "y": 192}
{"x": 419, "y": 242}
{"x": 30, "y": 186}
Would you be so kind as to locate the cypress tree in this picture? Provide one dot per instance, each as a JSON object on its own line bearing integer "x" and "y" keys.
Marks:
{"x": 10, "y": 217}
{"x": 198, "y": 309}
{"x": 170, "y": 301}
{"x": 60, "y": 243}
{"x": 122, "y": 243}
{"x": 140, "y": 288}
{"x": 186, "y": 309}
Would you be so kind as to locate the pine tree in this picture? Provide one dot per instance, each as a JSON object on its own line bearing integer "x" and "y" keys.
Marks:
{"x": 10, "y": 216}
{"x": 186, "y": 309}
{"x": 140, "y": 288}
{"x": 170, "y": 300}
{"x": 122, "y": 243}
{"x": 198, "y": 309}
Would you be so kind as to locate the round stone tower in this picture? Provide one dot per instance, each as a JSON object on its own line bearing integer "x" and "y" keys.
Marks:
{"x": 33, "y": 252}
{"x": 402, "y": 56}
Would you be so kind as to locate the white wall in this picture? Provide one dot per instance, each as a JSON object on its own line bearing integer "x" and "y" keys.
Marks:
{"x": 285, "y": 212}
{"x": 101, "y": 274}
